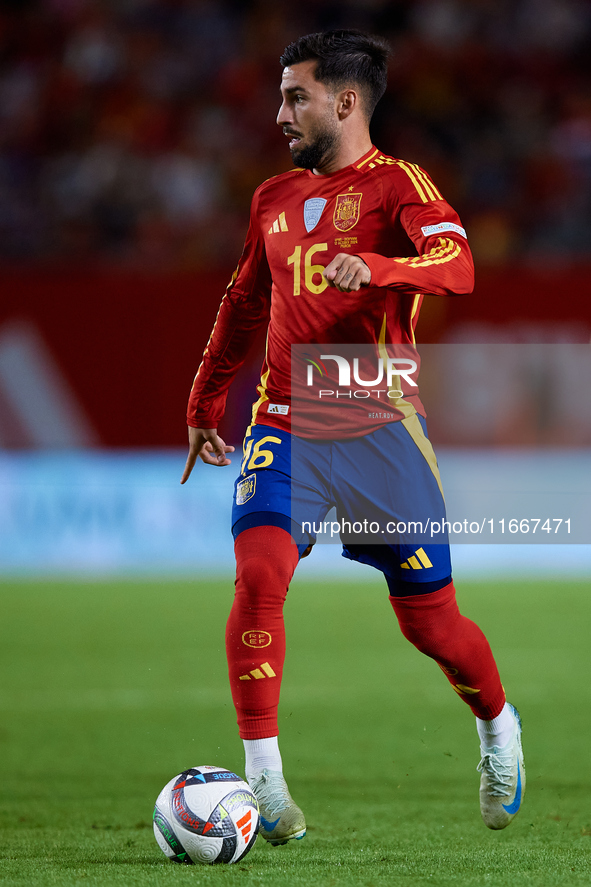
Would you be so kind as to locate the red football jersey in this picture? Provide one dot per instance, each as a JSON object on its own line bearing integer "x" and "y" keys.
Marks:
{"x": 385, "y": 210}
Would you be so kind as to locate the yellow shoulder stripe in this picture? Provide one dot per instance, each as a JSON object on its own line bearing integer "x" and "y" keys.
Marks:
{"x": 423, "y": 184}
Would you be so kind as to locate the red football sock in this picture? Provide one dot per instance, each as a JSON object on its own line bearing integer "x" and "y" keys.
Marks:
{"x": 266, "y": 558}
{"x": 433, "y": 623}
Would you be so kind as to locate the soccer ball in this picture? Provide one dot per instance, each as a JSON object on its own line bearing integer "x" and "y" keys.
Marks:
{"x": 207, "y": 815}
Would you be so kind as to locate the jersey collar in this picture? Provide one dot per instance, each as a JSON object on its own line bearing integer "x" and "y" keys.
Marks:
{"x": 359, "y": 164}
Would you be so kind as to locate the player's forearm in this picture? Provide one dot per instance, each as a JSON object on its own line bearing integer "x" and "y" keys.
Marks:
{"x": 235, "y": 328}
{"x": 207, "y": 401}
{"x": 207, "y": 410}
{"x": 446, "y": 269}
{"x": 243, "y": 311}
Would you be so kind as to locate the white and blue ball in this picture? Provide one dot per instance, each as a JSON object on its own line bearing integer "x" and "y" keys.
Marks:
{"x": 206, "y": 815}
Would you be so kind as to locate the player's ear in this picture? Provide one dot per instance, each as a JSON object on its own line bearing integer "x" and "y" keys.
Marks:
{"x": 347, "y": 101}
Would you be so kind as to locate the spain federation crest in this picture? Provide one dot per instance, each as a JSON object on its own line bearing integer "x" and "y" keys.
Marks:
{"x": 245, "y": 489}
{"x": 346, "y": 211}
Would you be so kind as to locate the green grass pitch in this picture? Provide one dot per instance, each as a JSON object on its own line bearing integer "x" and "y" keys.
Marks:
{"x": 108, "y": 689}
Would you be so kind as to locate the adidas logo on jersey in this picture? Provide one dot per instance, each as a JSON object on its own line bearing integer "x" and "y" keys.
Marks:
{"x": 417, "y": 561}
{"x": 278, "y": 225}
{"x": 257, "y": 673}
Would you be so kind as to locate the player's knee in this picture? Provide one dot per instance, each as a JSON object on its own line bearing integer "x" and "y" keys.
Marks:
{"x": 429, "y": 629}
{"x": 265, "y": 561}
{"x": 427, "y": 638}
{"x": 259, "y": 577}
{"x": 429, "y": 621}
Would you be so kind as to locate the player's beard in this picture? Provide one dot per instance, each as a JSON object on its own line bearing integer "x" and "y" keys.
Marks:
{"x": 324, "y": 144}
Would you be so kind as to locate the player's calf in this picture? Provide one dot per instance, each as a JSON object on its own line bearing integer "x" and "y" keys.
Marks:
{"x": 434, "y": 624}
{"x": 255, "y": 635}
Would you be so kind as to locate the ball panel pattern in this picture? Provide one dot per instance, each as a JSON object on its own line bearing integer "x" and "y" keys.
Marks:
{"x": 207, "y": 815}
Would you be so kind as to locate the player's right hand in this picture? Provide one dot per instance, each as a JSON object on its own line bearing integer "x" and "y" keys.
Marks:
{"x": 347, "y": 273}
{"x": 206, "y": 444}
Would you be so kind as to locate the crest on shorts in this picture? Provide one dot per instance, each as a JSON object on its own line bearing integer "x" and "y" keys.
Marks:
{"x": 245, "y": 489}
{"x": 312, "y": 211}
{"x": 346, "y": 211}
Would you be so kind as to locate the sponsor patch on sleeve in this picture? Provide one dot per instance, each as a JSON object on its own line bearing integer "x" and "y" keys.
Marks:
{"x": 443, "y": 226}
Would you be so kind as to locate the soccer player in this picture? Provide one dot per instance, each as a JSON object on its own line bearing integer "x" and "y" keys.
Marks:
{"x": 340, "y": 250}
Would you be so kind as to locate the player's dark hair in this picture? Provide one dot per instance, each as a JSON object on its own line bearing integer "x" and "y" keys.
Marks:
{"x": 345, "y": 58}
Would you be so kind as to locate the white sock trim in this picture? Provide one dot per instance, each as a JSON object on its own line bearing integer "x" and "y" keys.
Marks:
{"x": 498, "y": 731}
{"x": 262, "y": 754}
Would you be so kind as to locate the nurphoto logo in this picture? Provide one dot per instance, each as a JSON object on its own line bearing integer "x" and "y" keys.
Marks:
{"x": 394, "y": 369}
{"x": 344, "y": 390}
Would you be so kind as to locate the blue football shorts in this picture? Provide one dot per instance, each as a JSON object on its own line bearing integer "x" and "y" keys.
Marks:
{"x": 385, "y": 488}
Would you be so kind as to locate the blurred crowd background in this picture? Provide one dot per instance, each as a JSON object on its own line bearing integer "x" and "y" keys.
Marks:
{"x": 132, "y": 135}
{"x": 134, "y": 131}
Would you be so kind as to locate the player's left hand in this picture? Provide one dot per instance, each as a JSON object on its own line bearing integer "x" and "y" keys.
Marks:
{"x": 347, "y": 273}
{"x": 207, "y": 445}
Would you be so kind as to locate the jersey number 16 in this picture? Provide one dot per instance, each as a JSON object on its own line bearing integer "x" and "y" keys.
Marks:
{"x": 310, "y": 270}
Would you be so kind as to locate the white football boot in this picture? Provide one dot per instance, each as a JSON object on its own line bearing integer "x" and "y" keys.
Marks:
{"x": 502, "y": 780}
{"x": 281, "y": 818}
